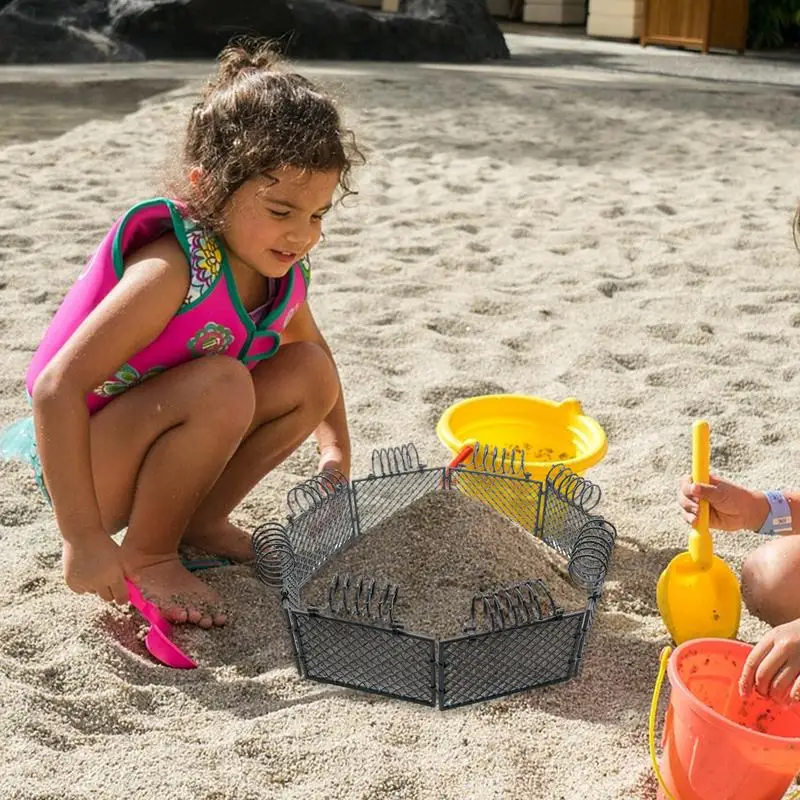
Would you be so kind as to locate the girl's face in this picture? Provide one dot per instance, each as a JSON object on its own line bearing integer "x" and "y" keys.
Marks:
{"x": 273, "y": 221}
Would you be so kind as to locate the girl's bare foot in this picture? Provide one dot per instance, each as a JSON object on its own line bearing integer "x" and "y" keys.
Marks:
{"x": 179, "y": 595}
{"x": 221, "y": 538}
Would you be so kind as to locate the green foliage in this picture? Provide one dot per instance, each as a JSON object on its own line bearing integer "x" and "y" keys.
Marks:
{"x": 773, "y": 23}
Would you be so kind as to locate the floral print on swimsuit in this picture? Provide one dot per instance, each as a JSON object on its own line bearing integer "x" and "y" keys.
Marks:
{"x": 211, "y": 339}
{"x": 205, "y": 256}
{"x": 125, "y": 378}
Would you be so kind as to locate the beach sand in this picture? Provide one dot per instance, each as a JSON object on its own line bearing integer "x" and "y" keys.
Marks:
{"x": 622, "y": 239}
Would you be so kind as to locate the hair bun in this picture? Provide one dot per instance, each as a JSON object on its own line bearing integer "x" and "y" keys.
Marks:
{"x": 245, "y": 55}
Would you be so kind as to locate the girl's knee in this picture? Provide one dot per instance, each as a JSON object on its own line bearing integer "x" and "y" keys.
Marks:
{"x": 319, "y": 376}
{"x": 225, "y": 395}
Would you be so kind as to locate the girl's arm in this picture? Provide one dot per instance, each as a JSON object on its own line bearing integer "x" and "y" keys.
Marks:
{"x": 333, "y": 436}
{"x": 130, "y": 317}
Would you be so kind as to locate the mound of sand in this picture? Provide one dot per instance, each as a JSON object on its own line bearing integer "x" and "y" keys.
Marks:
{"x": 440, "y": 551}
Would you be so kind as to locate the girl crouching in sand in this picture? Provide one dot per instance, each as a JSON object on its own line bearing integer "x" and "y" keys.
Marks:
{"x": 185, "y": 363}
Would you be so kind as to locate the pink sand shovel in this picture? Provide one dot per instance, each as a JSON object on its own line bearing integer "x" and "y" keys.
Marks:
{"x": 157, "y": 641}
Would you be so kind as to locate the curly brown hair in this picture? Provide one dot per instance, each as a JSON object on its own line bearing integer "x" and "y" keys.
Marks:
{"x": 251, "y": 119}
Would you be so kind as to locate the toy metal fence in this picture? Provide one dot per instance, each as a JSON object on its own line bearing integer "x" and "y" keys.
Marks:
{"x": 516, "y": 638}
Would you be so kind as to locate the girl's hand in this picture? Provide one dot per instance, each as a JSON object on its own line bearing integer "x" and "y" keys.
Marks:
{"x": 773, "y": 666}
{"x": 93, "y": 565}
{"x": 331, "y": 457}
{"x": 731, "y": 507}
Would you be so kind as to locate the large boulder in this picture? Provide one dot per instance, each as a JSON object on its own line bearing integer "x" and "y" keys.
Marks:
{"x": 428, "y": 30}
{"x": 38, "y": 31}
{"x": 124, "y": 30}
{"x": 83, "y": 14}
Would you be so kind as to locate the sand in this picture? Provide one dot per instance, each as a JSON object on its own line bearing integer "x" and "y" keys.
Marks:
{"x": 439, "y": 552}
{"x": 620, "y": 238}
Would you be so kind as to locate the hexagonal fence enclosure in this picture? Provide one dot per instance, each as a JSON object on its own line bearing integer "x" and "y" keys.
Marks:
{"x": 354, "y": 623}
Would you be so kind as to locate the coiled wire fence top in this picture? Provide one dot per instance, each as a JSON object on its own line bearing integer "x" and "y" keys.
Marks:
{"x": 516, "y": 637}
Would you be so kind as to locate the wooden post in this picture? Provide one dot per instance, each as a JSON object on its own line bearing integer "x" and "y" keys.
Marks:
{"x": 645, "y": 21}
{"x": 707, "y": 32}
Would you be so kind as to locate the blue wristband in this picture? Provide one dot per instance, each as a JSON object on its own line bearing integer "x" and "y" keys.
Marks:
{"x": 779, "y": 519}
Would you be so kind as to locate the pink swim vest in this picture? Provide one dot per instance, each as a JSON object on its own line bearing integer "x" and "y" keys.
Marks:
{"x": 211, "y": 320}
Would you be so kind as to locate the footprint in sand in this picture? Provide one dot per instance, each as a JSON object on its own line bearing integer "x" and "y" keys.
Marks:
{"x": 451, "y": 326}
{"x": 445, "y": 395}
{"x": 631, "y": 361}
{"x": 706, "y": 408}
{"x": 751, "y": 308}
{"x": 773, "y": 437}
{"x": 785, "y": 297}
{"x": 411, "y": 290}
{"x": 664, "y": 331}
{"x": 16, "y": 241}
{"x": 615, "y": 212}
{"x": 339, "y": 258}
{"x": 518, "y": 344}
{"x": 391, "y": 318}
{"x": 730, "y": 454}
{"x": 24, "y": 347}
{"x": 481, "y": 266}
{"x": 32, "y": 586}
{"x": 15, "y": 515}
{"x": 630, "y": 402}
{"x": 665, "y": 209}
{"x": 51, "y": 740}
{"x": 416, "y": 250}
{"x": 746, "y": 385}
{"x": 392, "y": 370}
{"x": 666, "y": 377}
{"x": 486, "y": 307}
{"x": 610, "y": 288}
{"x": 344, "y": 230}
{"x": 22, "y": 644}
{"x": 766, "y": 338}
{"x": 48, "y": 560}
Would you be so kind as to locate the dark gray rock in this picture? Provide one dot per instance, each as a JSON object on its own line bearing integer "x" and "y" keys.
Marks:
{"x": 25, "y": 39}
{"x": 194, "y": 28}
{"x": 84, "y": 14}
{"x": 429, "y": 30}
{"x": 34, "y": 31}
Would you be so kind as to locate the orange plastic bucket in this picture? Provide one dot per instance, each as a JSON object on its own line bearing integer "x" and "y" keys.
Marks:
{"x": 718, "y": 745}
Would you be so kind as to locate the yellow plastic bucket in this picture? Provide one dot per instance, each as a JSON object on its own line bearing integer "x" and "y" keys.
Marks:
{"x": 547, "y": 432}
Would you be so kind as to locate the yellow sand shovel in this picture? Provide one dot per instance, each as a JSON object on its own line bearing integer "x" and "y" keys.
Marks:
{"x": 698, "y": 593}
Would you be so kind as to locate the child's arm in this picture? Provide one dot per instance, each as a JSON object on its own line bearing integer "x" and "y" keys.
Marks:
{"x": 773, "y": 666}
{"x": 132, "y": 315}
{"x": 731, "y": 507}
{"x": 333, "y": 436}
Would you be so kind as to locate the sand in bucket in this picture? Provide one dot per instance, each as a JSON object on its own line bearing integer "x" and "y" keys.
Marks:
{"x": 718, "y": 745}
